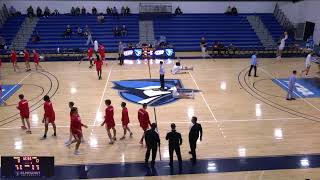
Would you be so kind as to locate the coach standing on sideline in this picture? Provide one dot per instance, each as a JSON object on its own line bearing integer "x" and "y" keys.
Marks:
{"x": 162, "y": 72}
{"x": 152, "y": 142}
{"x": 175, "y": 141}
{"x": 195, "y": 130}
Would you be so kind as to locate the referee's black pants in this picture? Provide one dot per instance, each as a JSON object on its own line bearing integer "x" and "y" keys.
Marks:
{"x": 162, "y": 81}
{"x": 255, "y": 70}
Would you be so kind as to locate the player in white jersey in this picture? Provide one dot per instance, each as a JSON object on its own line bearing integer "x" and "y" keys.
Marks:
{"x": 181, "y": 95}
{"x": 282, "y": 45}
{"x": 179, "y": 69}
{"x": 308, "y": 60}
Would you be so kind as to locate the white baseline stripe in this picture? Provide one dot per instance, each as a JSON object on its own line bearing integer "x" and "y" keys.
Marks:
{"x": 16, "y": 85}
{"x": 204, "y": 99}
{"x": 266, "y": 72}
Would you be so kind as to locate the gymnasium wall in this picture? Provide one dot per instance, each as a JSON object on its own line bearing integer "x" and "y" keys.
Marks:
{"x": 187, "y": 7}
{"x": 307, "y": 10}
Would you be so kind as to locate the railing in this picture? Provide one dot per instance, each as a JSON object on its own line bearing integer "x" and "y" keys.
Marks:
{"x": 155, "y": 8}
{"x": 282, "y": 18}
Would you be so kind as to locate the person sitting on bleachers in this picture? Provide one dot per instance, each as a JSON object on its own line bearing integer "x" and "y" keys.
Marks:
{"x": 124, "y": 30}
{"x": 68, "y": 32}
{"x": 115, "y": 11}
{"x": 94, "y": 10}
{"x": 12, "y": 11}
{"x": 86, "y": 30}
{"x": 116, "y": 31}
{"x": 108, "y": 10}
{"x": 234, "y": 11}
{"x": 178, "y": 11}
{"x": 231, "y": 48}
{"x": 30, "y": 12}
{"x": 39, "y": 12}
{"x": 123, "y": 11}
{"x": 83, "y": 10}
{"x": 73, "y": 11}
{"x": 228, "y": 11}
{"x": 2, "y": 42}
{"x": 46, "y": 12}
{"x": 80, "y": 31}
{"x": 215, "y": 47}
{"x": 220, "y": 47}
{"x": 56, "y": 12}
{"x": 77, "y": 11}
{"x": 100, "y": 18}
{"x": 127, "y": 10}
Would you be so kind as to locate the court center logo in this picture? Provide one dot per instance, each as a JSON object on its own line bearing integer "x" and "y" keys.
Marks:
{"x": 142, "y": 91}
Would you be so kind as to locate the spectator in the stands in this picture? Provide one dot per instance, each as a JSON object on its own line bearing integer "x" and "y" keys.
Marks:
{"x": 115, "y": 11}
{"x": 56, "y": 12}
{"x": 46, "y": 12}
{"x": 178, "y": 11}
{"x": 127, "y": 10}
{"x": 80, "y": 31}
{"x": 89, "y": 40}
{"x": 117, "y": 31}
{"x": 86, "y": 30}
{"x": 124, "y": 30}
{"x": 78, "y": 11}
{"x": 220, "y": 48}
{"x": 83, "y": 10}
{"x": 68, "y": 32}
{"x": 94, "y": 10}
{"x": 123, "y": 11}
{"x": 234, "y": 11}
{"x": 228, "y": 11}
{"x": 100, "y": 18}
{"x": 231, "y": 47}
{"x": 39, "y": 12}
{"x": 73, "y": 11}
{"x": 109, "y": 11}
{"x": 12, "y": 11}
{"x": 30, "y": 12}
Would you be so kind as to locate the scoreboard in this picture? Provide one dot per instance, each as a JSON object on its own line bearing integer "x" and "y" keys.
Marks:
{"x": 27, "y": 166}
{"x": 149, "y": 53}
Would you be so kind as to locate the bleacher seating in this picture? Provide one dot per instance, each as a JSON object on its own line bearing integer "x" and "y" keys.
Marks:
{"x": 51, "y": 32}
{"x": 10, "y": 28}
{"x": 271, "y": 23}
{"x": 185, "y": 31}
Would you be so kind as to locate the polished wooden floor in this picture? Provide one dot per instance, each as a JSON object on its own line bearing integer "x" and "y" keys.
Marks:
{"x": 235, "y": 123}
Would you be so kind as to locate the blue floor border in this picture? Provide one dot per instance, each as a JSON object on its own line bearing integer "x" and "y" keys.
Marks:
{"x": 203, "y": 166}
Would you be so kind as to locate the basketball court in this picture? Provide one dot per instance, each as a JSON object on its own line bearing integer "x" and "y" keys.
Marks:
{"x": 242, "y": 117}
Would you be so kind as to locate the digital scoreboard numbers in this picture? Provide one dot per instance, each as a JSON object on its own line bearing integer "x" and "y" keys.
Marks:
{"x": 27, "y": 166}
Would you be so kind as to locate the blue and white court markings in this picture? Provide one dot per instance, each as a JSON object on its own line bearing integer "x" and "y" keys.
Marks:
{"x": 8, "y": 90}
{"x": 305, "y": 87}
{"x": 147, "y": 91}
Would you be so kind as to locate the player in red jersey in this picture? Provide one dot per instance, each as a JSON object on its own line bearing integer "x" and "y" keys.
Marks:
{"x": 13, "y": 57}
{"x": 109, "y": 121}
{"x": 36, "y": 58}
{"x": 75, "y": 128}
{"x": 125, "y": 121}
{"x": 99, "y": 64}
{"x": 49, "y": 116}
{"x": 2, "y": 102}
{"x": 90, "y": 54}
{"x": 26, "y": 57}
{"x": 143, "y": 117}
{"x": 71, "y": 105}
{"x": 24, "y": 113}
{"x": 102, "y": 52}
